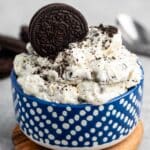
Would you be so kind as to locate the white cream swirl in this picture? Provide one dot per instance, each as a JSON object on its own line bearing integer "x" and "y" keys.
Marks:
{"x": 94, "y": 70}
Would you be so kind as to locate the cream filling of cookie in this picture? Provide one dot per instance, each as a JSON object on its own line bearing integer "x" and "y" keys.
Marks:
{"x": 94, "y": 70}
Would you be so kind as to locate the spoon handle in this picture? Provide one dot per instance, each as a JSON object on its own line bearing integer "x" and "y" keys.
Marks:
{"x": 142, "y": 50}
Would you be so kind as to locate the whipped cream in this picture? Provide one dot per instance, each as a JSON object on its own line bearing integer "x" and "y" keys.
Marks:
{"x": 94, "y": 70}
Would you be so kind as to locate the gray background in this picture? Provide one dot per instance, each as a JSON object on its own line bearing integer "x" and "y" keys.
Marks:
{"x": 14, "y": 13}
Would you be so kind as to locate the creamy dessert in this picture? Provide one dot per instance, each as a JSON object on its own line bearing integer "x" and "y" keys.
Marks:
{"x": 94, "y": 70}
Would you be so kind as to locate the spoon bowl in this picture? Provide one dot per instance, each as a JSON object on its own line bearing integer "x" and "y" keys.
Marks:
{"x": 135, "y": 36}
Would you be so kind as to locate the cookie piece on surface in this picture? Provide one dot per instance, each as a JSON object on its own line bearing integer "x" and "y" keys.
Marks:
{"x": 6, "y": 65}
{"x": 24, "y": 33}
{"x": 9, "y": 48}
{"x": 7, "y": 53}
{"x": 6, "y": 62}
{"x": 13, "y": 44}
{"x": 54, "y": 26}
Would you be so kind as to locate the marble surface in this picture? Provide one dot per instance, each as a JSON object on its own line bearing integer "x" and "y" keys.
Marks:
{"x": 15, "y": 13}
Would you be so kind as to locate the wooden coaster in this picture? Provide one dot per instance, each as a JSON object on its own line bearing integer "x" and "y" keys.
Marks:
{"x": 21, "y": 142}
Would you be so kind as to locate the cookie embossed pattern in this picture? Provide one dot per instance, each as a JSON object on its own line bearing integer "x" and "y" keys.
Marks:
{"x": 78, "y": 120}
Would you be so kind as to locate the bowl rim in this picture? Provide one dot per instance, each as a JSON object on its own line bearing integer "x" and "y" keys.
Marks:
{"x": 64, "y": 105}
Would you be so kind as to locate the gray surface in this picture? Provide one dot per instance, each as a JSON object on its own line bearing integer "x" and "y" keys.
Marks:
{"x": 16, "y": 12}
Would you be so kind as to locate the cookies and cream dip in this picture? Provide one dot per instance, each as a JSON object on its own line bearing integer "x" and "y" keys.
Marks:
{"x": 94, "y": 70}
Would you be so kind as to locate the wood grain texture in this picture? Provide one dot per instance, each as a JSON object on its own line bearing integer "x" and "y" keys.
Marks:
{"x": 21, "y": 142}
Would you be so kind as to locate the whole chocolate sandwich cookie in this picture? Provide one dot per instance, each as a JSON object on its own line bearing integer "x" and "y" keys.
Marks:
{"x": 54, "y": 26}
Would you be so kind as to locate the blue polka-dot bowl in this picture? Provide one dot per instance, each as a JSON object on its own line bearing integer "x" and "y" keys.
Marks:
{"x": 83, "y": 126}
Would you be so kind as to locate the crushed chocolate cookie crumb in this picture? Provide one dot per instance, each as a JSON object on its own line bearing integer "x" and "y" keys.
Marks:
{"x": 113, "y": 77}
{"x": 96, "y": 34}
{"x": 81, "y": 100}
{"x": 45, "y": 77}
{"x": 70, "y": 74}
{"x": 113, "y": 57}
{"x": 109, "y": 30}
{"x": 98, "y": 58}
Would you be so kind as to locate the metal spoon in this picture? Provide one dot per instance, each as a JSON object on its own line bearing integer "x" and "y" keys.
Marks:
{"x": 135, "y": 36}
